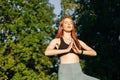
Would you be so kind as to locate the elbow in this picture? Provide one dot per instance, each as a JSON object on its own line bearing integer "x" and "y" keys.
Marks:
{"x": 46, "y": 53}
{"x": 95, "y": 53}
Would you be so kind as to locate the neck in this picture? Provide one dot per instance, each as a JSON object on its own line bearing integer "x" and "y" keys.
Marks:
{"x": 67, "y": 35}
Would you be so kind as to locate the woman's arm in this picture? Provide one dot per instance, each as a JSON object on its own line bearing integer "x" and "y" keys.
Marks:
{"x": 87, "y": 50}
{"x": 51, "y": 51}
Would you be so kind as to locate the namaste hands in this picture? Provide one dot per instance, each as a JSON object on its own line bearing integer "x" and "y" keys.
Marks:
{"x": 74, "y": 47}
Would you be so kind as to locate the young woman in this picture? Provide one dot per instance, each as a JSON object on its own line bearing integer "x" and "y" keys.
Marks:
{"x": 68, "y": 48}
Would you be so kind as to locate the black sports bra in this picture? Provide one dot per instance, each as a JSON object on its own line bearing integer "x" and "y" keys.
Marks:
{"x": 63, "y": 45}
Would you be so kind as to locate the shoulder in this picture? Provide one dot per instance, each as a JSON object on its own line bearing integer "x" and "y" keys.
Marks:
{"x": 81, "y": 42}
{"x": 55, "y": 40}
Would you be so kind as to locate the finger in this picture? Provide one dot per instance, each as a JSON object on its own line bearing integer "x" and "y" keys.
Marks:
{"x": 75, "y": 50}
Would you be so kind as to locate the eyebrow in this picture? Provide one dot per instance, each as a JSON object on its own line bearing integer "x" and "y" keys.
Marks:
{"x": 68, "y": 21}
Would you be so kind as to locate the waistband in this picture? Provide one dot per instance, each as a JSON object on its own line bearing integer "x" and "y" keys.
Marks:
{"x": 69, "y": 64}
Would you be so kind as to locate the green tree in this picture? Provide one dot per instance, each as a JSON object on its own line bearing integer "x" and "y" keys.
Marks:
{"x": 98, "y": 24}
{"x": 25, "y": 30}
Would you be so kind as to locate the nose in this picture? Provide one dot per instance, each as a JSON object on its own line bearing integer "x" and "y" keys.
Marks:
{"x": 68, "y": 23}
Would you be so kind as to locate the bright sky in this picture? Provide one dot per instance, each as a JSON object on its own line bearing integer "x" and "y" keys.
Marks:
{"x": 57, "y": 6}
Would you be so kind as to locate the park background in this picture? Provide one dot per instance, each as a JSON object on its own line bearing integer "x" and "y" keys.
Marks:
{"x": 27, "y": 27}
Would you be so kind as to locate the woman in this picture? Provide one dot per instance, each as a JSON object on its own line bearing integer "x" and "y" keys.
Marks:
{"x": 68, "y": 49}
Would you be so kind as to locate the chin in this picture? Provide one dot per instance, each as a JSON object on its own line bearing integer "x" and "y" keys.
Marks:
{"x": 68, "y": 30}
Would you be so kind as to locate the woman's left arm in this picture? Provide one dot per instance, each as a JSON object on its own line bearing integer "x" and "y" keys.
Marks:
{"x": 86, "y": 49}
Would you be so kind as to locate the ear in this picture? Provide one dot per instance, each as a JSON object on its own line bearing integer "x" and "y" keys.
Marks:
{"x": 61, "y": 27}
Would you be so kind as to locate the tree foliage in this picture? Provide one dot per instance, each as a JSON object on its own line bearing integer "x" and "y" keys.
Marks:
{"x": 98, "y": 24}
{"x": 25, "y": 30}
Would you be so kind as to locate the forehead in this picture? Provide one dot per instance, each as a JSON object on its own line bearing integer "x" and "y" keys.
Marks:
{"x": 67, "y": 20}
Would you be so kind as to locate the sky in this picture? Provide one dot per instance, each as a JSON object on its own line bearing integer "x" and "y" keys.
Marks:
{"x": 57, "y": 6}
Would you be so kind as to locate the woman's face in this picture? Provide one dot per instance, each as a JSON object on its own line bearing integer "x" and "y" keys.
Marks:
{"x": 67, "y": 25}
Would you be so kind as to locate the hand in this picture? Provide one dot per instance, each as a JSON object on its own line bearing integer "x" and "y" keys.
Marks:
{"x": 70, "y": 46}
{"x": 75, "y": 48}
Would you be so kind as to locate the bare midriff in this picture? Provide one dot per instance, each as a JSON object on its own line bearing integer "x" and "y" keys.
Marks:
{"x": 69, "y": 58}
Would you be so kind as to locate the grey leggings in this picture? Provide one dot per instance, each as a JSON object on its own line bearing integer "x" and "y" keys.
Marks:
{"x": 72, "y": 72}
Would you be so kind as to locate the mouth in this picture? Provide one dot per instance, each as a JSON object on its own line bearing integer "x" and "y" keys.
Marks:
{"x": 68, "y": 26}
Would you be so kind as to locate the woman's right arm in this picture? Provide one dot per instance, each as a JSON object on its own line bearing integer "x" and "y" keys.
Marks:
{"x": 50, "y": 51}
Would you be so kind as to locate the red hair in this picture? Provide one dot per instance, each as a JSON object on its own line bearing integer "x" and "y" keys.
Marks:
{"x": 73, "y": 34}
